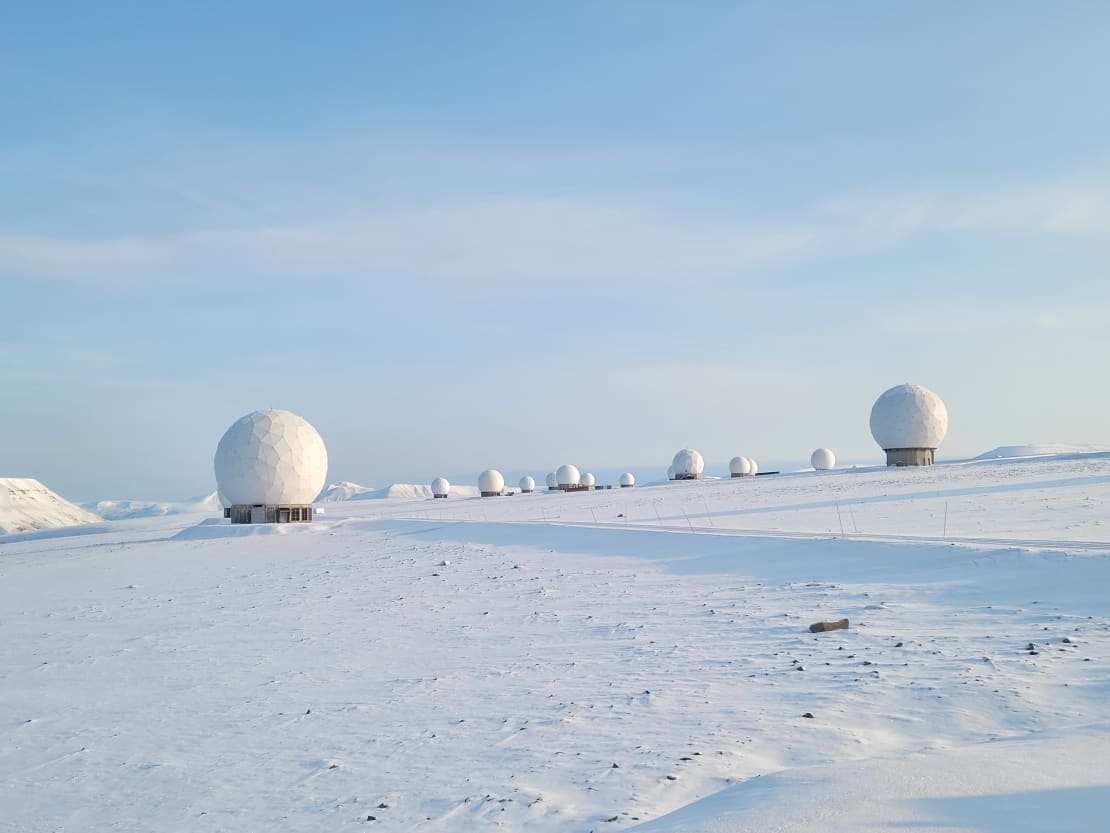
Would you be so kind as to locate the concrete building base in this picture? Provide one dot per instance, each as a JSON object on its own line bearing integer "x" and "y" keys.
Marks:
{"x": 909, "y": 456}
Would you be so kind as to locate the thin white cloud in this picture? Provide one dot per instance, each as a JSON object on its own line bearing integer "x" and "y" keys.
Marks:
{"x": 499, "y": 240}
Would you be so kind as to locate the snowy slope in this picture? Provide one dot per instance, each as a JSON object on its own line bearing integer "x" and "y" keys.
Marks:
{"x": 539, "y": 663}
{"x": 26, "y": 504}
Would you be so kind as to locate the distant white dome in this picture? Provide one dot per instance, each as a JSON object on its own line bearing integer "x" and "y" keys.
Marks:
{"x": 440, "y": 486}
{"x": 552, "y": 480}
{"x": 753, "y": 466}
{"x": 909, "y": 416}
{"x": 627, "y": 479}
{"x": 271, "y": 457}
{"x": 491, "y": 480}
{"x": 688, "y": 463}
{"x": 527, "y": 483}
{"x": 822, "y": 459}
{"x": 739, "y": 465}
{"x": 567, "y": 476}
{"x": 670, "y": 472}
{"x": 588, "y": 479}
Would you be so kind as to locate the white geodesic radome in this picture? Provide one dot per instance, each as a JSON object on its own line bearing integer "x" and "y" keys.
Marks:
{"x": 440, "y": 486}
{"x": 552, "y": 480}
{"x": 588, "y": 480}
{"x": 739, "y": 466}
{"x": 909, "y": 416}
{"x": 271, "y": 458}
{"x": 753, "y": 466}
{"x": 688, "y": 463}
{"x": 822, "y": 459}
{"x": 491, "y": 481}
{"x": 527, "y": 483}
{"x": 627, "y": 480}
{"x": 567, "y": 476}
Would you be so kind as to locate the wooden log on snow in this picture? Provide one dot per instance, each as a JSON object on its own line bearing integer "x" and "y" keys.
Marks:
{"x": 821, "y": 627}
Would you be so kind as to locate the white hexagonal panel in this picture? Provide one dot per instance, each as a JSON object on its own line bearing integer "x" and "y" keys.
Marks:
{"x": 909, "y": 416}
{"x": 271, "y": 457}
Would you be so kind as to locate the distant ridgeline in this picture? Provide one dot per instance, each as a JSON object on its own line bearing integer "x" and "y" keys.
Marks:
{"x": 27, "y": 505}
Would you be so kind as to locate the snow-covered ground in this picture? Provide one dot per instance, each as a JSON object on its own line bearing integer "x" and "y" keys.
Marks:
{"x": 572, "y": 662}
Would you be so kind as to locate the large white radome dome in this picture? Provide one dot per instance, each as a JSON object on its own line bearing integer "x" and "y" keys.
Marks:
{"x": 441, "y": 486}
{"x": 588, "y": 480}
{"x": 909, "y": 416}
{"x": 527, "y": 483}
{"x": 627, "y": 480}
{"x": 272, "y": 458}
{"x": 568, "y": 476}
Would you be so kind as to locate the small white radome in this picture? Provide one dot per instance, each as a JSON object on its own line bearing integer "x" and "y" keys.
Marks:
{"x": 567, "y": 475}
{"x": 527, "y": 483}
{"x": 440, "y": 486}
{"x": 588, "y": 479}
{"x": 688, "y": 463}
{"x": 627, "y": 479}
{"x": 491, "y": 482}
{"x": 822, "y": 459}
{"x": 739, "y": 466}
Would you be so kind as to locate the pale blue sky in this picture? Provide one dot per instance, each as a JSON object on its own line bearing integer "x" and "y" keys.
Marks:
{"x": 503, "y": 234}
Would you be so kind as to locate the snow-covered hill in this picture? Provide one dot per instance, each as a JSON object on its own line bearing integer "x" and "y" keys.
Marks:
{"x": 26, "y": 504}
{"x": 573, "y": 662}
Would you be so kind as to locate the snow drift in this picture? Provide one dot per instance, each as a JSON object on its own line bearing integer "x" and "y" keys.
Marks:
{"x": 346, "y": 490}
{"x": 122, "y": 510}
